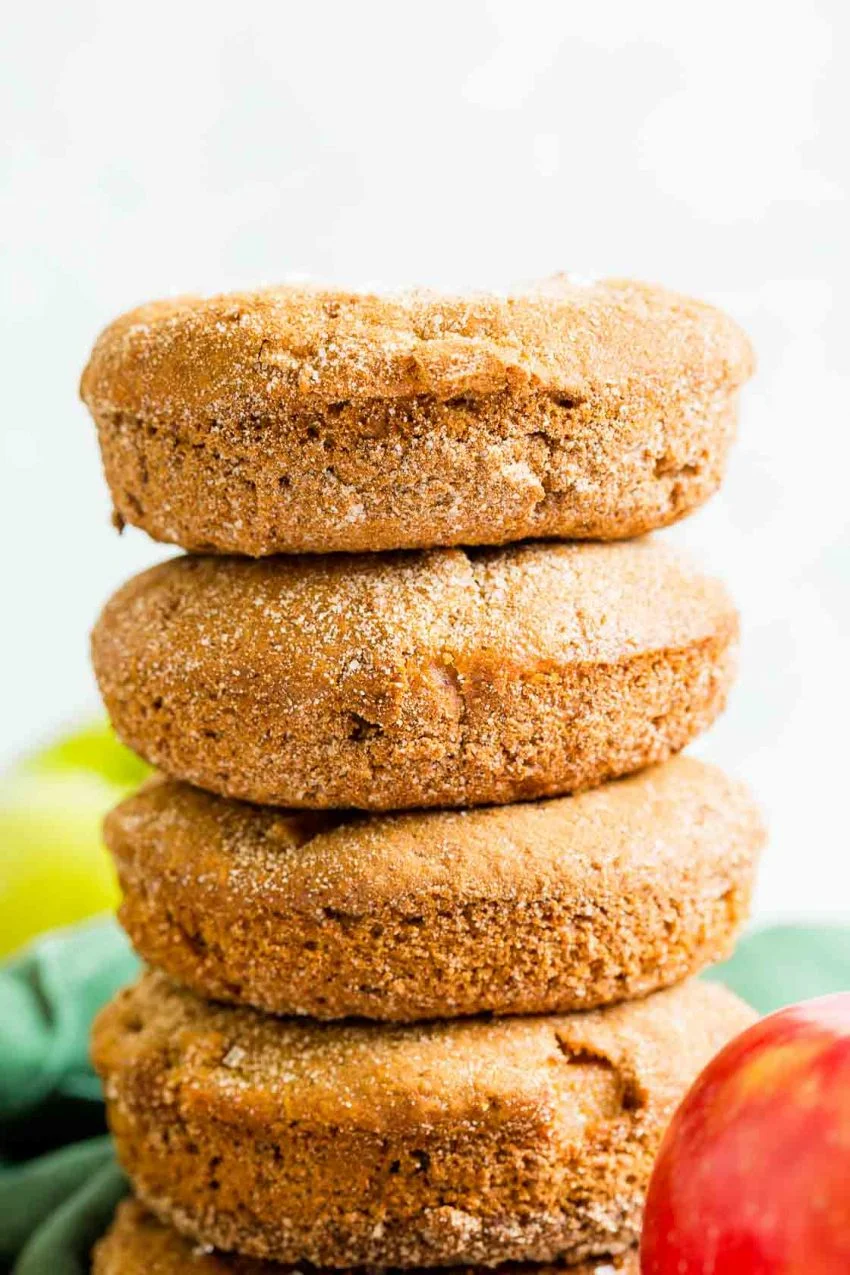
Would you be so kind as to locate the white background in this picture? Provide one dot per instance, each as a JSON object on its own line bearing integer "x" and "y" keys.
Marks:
{"x": 198, "y": 146}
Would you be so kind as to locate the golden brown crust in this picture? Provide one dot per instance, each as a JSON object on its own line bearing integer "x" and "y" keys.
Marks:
{"x": 138, "y": 1244}
{"x": 294, "y": 419}
{"x": 517, "y": 1139}
{"x": 444, "y": 678}
{"x": 525, "y": 909}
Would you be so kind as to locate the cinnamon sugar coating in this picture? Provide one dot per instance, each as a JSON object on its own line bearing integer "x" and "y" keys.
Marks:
{"x": 558, "y": 905}
{"x": 294, "y": 419}
{"x": 138, "y": 1244}
{"x": 461, "y": 1142}
{"x": 441, "y": 678}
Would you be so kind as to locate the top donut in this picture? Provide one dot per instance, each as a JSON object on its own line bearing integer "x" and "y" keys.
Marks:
{"x": 294, "y": 419}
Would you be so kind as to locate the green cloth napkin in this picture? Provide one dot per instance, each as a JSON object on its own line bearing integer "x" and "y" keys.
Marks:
{"x": 53, "y": 1207}
{"x": 57, "y": 1205}
{"x": 788, "y": 963}
{"x": 50, "y": 1098}
{"x": 48, "y": 997}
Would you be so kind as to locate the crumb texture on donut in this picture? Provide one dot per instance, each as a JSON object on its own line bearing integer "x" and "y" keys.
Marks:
{"x": 465, "y": 1142}
{"x": 138, "y": 1244}
{"x": 443, "y": 678}
{"x": 300, "y": 420}
{"x": 539, "y": 907}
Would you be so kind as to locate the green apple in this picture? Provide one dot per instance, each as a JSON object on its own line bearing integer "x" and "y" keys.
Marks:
{"x": 53, "y": 866}
{"x": 94, "y": 750}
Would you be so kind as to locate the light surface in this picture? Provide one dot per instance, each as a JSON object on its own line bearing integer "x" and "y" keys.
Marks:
{"x": 178, "y": 147}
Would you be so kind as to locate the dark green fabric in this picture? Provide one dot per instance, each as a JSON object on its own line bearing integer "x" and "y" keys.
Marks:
{"x": 48, "y": 996}
{"x": 54, "y": 1207}
{"x": 31, "y": 1193}
{"x": 50, "y": 1097}
{"x": 62, "y": 1244}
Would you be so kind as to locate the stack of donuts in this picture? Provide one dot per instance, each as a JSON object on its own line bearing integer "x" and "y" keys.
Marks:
{"x": 421, "y": 881}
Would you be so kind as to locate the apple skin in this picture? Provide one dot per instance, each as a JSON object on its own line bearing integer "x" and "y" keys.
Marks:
{"x": 753, "y": 1176}
{"x": 54, "y": 869}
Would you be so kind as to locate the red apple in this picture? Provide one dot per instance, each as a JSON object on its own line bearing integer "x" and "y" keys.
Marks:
{"x": 753, "y": 1177}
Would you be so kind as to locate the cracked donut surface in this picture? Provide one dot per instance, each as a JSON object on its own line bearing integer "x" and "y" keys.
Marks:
{"x": 465, "y": 1142}
{"x": 138, "y": 1244}
{"x": 442, "y": 678}
{"x": 537, "y": 907}
{"x": 295, "y": 419}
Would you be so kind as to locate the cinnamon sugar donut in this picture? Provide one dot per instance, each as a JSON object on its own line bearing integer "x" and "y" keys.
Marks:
{"x": 295, "y": 419}
{"x": 138, "y": 1244}
{"x": 449, "y": 1143}
{"x": 442, "y": 678}
{"x": 525, "y": 909}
